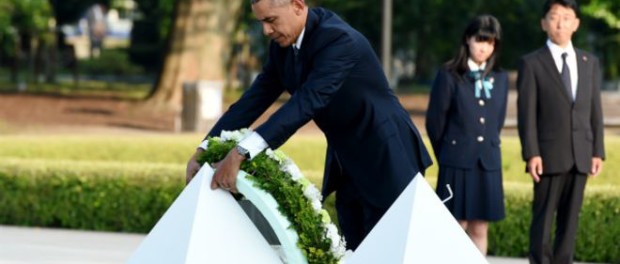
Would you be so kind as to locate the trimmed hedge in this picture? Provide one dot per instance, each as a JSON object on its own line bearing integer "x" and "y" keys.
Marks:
{"x": 131, "y": 197}
{"x": 598, "y": 236}
{"x": 108, "y": 196}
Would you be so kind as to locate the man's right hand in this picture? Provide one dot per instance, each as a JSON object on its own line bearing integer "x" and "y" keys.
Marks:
{"x": 192, "y": 166}
{"x": 535, "y": 168}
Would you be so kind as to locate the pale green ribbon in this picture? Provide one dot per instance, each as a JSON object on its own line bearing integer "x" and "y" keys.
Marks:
{"x": 482, "y": 84}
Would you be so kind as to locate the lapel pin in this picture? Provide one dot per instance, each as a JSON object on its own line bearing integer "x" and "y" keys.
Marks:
{"x": 584, "y": 58}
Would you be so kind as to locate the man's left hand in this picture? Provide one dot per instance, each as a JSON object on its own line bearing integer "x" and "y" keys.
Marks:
{"x": 226, "y": 171}
{"x": 597, "y": 166}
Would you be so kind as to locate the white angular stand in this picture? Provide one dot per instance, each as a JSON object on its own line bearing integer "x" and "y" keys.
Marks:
{"x": 208, "y": 226}
{"x": 267, "y": 205}
{"x": 417, "y": 229}
{"x": 204, "y": 226}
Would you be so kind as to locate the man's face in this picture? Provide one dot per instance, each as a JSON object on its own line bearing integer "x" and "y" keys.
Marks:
{"x": 560, "y": 23}
{"x": 282, "y": 23}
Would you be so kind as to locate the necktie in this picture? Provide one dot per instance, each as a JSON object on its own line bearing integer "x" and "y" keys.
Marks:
{"x": 566, "y": 76}
{"x": 295, "y": 50}
{"x": 297, "y": 66}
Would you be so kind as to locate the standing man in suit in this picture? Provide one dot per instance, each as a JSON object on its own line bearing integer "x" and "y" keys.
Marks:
{"x": 561, "y": 131}
{"x": 335, "y": 79}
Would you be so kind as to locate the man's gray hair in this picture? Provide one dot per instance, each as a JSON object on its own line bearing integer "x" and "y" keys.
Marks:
{"x": 273, "y": 2}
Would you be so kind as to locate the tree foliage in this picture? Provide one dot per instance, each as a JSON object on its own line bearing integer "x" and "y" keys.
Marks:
{"x": 431, "y": 31}
{"x": 22, "y": 18}
{"x": 605, "y": 38}
{"x": 70, "y": 11}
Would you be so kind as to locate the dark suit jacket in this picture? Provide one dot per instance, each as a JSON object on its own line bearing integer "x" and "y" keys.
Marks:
{"x": 563, "y": 133}
{"x": 337, "y": 81}
{"x": 459, "y": 136}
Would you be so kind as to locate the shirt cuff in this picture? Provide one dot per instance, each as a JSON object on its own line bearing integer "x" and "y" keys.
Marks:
{"x": 254, "y": 143}
{"x": 204, "y": 144}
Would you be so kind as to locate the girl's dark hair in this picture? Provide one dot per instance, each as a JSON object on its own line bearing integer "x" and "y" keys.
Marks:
{"x": 483, "y": 28}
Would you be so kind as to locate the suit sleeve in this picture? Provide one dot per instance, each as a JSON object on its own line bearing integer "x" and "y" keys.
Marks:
{"x": 504, "y": 105}
{"x": 438, "y": 108}
{"x": 331, "y": 67}
{"x": 263, "y": 92}
{"x": 527, "y": 110}
{"x": 597, "y": 113}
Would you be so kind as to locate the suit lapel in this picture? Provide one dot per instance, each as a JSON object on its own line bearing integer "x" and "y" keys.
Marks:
{"x": 546, "y": 59}
{"x": 297, "y": 61}
{"x": 583, "y": 74}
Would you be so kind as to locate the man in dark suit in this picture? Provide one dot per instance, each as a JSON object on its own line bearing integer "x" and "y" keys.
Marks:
{"x": 561, "y": 129}
{"x": 336, "y": 80}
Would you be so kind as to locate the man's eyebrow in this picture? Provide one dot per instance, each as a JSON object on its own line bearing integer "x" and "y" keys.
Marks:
{"x": 268, "y": 19}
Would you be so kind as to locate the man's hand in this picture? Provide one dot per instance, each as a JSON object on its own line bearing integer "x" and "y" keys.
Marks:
{"x": 597, "y": 166}
{"x": 192, "y": 166}
{"x": 225, "y": 176}
{"x": 535, "y": 167}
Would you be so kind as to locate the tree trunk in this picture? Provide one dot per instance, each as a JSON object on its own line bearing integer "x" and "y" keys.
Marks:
{"x": 198, "y": 48}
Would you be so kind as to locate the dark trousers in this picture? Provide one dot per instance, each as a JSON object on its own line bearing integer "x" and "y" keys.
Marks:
{"x": 560, "y": 195}
{"x": 355, "y": 215}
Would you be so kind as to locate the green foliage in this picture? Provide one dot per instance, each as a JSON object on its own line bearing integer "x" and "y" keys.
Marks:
{"x": 107, "y": 196}
{"x": 31, "y": 16}
{"x": 111, "y": 62}
{"x": 597, "y": 235}
{"x": 289, "y": 194}
{"x": 509, "y": 237}
{"x": 126, "y": 182}
{"x": 430, "y": 31}
{"x": 69, "y": 11}
{"x": 131, "y": 197}
{"x": 168, "y": 149}
{"x": 22, "y": 17}
{"x": 150, "y": 32}
{"x": 604, "y": 10}
{"x": 86, "y": 88}
{"x": 606, "y": 36}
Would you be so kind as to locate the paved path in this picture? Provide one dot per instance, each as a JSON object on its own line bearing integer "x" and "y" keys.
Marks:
{"x": 19, "y": 245}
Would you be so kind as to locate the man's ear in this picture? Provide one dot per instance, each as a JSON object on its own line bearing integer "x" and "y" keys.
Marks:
{"x": 298, "y": 6}
{"x": 576, "y": 25}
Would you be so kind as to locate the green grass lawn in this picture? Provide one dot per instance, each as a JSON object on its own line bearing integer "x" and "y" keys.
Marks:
{"x": 307, "y": 151}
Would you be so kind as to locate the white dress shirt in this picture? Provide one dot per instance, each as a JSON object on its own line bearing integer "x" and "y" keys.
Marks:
{"x": 571, "y": 60}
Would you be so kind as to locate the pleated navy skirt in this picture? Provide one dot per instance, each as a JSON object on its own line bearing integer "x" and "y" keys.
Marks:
{"x": 478, "y": 193}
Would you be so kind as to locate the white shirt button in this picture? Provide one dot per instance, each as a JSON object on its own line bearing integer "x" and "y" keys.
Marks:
{"x": 481, "y": 102}
{"x": 482, "y": 120}
{"x": 480, "y": 138}
{"x": 453, "y": 142}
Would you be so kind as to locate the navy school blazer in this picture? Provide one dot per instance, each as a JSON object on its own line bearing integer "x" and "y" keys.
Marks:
{"x": 463, "y": 129}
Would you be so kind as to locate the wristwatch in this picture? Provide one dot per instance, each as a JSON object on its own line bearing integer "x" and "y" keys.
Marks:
{"x": 243, "y": 152}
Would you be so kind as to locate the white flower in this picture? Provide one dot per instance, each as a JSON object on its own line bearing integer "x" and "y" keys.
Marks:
{"x": 293, "y": 170}
{"x": 277, "y": 155}
{"x": 313, "y": 194}
{"x": 236, "y": 135}
{"x": 269, "y": 153}
{"x": 338, "y": 245}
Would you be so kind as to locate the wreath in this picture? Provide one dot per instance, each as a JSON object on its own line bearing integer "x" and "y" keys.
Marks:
{"x": 299, "y": 201}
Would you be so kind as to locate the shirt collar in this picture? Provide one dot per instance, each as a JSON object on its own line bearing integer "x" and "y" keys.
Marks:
{"x": 474, "y": 66}
{"x": 297, "y": 43}
{"x": 557, "y": 51}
